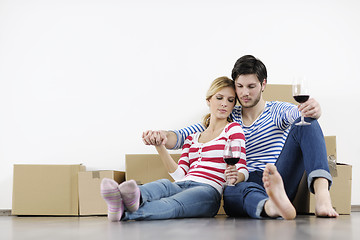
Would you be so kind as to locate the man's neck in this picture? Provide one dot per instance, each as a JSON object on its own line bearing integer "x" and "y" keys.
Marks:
{"x": 249, "y": 115}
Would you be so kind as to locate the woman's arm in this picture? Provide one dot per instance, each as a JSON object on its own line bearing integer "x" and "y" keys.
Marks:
{"x": 171, "y": 139}
{"x": 169, "y": 163}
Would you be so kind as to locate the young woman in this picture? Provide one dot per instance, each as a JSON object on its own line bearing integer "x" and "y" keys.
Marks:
{"x": 199, "y": 174}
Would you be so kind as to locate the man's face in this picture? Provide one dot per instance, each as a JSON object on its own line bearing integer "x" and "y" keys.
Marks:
{"x": 249, "y": 90}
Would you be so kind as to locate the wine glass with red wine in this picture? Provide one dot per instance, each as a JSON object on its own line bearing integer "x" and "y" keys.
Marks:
{"x": 232, "y": 153}
{"x": 301, "y": 94}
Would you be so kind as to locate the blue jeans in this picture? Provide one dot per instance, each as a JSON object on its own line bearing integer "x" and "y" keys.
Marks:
{"x": 304, "y": 150}
{"x": 163, "y": 199}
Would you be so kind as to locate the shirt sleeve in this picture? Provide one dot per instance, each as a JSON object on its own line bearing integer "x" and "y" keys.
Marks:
{"x": 183, "y": 133}
{"x": 284, "y": 114}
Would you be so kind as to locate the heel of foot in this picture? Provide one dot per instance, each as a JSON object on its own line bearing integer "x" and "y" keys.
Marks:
{"x": 130, "y": 193}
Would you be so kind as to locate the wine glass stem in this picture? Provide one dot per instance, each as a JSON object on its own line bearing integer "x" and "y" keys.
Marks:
{"x": 302, "y": 119}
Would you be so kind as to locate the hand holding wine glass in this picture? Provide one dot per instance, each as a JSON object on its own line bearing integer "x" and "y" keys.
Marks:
{"x": 301, "y": 94}
{"x": 232, "y": 153}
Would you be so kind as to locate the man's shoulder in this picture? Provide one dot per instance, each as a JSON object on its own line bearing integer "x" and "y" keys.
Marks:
{"x": 279, "y": 105}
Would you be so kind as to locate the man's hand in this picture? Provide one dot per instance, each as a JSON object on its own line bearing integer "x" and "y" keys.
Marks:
{"x": 154, "y": 138}
{"x": 310, "y": 108}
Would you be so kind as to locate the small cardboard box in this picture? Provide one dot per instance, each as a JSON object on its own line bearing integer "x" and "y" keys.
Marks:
{"x": 340, "y": 191}
{"x": 46, "y": 189}
{"x": 90, "y": 200}
{"x": 145, "y": 168}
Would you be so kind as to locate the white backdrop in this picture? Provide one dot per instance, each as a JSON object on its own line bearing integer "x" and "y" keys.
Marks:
{"x": 80, "y": 80}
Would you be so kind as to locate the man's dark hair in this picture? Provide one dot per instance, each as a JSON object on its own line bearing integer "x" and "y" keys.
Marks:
{"x": 248, "y": 64}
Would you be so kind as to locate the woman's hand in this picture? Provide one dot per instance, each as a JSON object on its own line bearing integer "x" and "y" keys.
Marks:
{"x": 154, "y": 138}
{"x": 231, "y": 174}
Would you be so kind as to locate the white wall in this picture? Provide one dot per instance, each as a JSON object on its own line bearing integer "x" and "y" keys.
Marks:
{"x": 81, "y": 79}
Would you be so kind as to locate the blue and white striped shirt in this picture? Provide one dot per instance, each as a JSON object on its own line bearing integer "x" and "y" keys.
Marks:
{"x": 265, "y": 137}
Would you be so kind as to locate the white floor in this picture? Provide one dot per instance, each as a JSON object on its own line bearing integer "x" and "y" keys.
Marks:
{"x": 221, "y": 228}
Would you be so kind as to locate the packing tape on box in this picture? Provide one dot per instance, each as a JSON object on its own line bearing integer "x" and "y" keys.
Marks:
{"x": 96, "y": 174}
{"x": 332, "y": 165}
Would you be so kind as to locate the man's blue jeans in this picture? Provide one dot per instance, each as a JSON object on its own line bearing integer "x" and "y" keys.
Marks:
{"x": 163, "y": 199}
{"x": 304, "y": 150}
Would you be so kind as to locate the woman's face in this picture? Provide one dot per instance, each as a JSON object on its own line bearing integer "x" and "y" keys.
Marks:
{"x": 222, "y": 103}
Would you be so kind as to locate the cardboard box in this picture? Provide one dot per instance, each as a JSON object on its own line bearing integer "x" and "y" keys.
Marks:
{"x": 340, "y": 192}
{"x": 145, "y": 168}
{"x": 279, "y": 92}
{"x": 90, "y": 199}
{"x": 46, "y": 189}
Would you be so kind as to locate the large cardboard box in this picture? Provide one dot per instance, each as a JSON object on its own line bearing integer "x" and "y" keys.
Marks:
{"x": 144, "y": 168}
{"x": 279, "y": 92}
{"x": 46, "y": 189}
{"x": 341, "y": 190}
{"x": 90, "y": 200}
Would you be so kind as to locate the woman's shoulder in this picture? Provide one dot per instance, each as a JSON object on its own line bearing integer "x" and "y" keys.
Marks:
{"x": 233, "y": 126}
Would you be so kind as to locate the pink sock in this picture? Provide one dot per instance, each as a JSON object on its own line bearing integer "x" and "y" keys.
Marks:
{"x": 130, "y": 194}
{"x": 111, "y": 194}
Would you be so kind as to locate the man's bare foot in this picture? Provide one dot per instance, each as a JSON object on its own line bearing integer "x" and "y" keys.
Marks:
{"x": 278, "y": 203}
{"x": 323, "y": 206}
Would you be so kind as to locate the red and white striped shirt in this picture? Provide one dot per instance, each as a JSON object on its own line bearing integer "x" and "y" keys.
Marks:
{"x": 204, "y": 162}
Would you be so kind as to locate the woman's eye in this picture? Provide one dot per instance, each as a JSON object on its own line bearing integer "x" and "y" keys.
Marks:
{"x": 218, "y": 98}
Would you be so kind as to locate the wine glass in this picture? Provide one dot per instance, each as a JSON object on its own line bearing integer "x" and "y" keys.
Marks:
{"x": 232, "y": 153}
{"x": 300, "y": 90}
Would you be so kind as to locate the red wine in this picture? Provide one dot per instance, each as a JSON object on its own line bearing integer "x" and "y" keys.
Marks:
{"x": 231, "y": 161}
{"x": 301, "y": 98}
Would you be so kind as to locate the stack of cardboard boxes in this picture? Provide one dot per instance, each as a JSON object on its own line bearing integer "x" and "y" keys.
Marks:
{"x": 59, "y": 190}
{"x": 72, "y": 191}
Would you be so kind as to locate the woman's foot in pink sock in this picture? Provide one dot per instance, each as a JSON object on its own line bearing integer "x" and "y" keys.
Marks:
{"x": 130, "y": 194}
{"x": 111, "y": 194}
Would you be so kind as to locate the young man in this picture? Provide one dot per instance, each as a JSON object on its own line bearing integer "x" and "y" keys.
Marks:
{"x": 271, "y": 138}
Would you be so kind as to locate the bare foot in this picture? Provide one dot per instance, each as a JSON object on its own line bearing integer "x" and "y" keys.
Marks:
{"x": 323, "y": 206}
{"x": 278, "y": 203}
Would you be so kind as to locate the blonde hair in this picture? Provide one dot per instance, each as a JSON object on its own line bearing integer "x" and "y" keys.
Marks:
{"x": 218, "y": 84}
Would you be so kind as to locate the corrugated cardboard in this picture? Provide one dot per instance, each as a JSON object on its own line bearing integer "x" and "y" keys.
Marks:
{"x": 279, "y": 92}
{"x": 46, "y": 189}
{"x": 90, "y": 200}
{"x": 340, "y": 192}
{"x": 145, "y": 168}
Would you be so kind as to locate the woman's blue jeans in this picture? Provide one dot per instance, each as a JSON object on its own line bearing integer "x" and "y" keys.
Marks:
{"x": 304, "y": 150}
{"x": 163, "y": 199}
